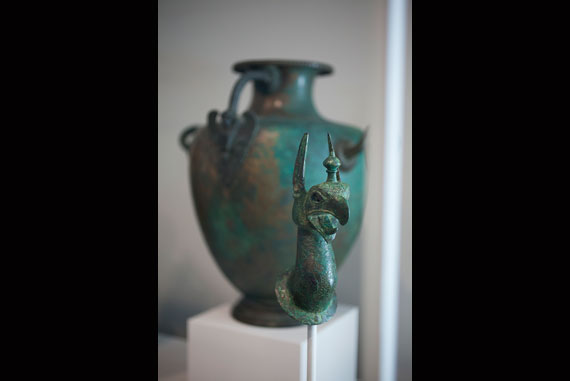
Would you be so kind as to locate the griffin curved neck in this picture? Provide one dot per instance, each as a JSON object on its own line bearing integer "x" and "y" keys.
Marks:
{"x": 312, "y": 247}
{"x": 314, "y": 277}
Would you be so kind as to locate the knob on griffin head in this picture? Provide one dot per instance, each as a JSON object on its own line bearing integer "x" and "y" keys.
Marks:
{"x": 307, "y": 291}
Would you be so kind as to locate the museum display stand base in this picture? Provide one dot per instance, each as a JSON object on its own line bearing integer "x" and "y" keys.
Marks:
{"x": 222, "y": 348}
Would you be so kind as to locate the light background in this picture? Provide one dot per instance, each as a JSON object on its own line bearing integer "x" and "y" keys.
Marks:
{"x": 198, "y": 41}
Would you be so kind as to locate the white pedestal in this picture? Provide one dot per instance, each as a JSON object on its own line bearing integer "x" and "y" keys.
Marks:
{"x": 221, "y": 348}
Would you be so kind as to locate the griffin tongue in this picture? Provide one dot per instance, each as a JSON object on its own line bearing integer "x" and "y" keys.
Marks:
{"x": 326, "y": 224}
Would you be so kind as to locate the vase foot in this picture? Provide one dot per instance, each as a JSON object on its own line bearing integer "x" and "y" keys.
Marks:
{"x": 262, "y": 312}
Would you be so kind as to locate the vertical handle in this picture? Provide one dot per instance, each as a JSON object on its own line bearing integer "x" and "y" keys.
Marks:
{"x": 187, "y": 133}
{"x": 268, "y": 75}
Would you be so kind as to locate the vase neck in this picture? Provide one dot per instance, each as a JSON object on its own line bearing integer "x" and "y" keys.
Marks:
{"x": 293, "y": 97}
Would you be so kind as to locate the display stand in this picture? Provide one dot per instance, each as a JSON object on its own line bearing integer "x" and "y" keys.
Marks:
{"x": 222, "y": 348}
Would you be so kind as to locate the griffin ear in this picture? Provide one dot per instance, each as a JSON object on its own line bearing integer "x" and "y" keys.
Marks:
{"x": 299, "y": 172}
{"x": 331, "y": 146}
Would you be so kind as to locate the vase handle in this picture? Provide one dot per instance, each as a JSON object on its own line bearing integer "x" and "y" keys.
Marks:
{"x": 269, "y": 76}
{"x": 234, "y": 133}
{"x": 348, "y": 152}
{"x": 184, "y": 140}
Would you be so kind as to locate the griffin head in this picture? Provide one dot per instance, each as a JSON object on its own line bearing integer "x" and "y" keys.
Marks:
{"x": 325, "y": 205}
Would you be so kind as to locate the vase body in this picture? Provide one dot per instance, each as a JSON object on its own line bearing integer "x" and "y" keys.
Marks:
{"x": 247, "y": 222}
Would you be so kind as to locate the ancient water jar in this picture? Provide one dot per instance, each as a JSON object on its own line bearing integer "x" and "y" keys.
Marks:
{"x": 241, "y": 169}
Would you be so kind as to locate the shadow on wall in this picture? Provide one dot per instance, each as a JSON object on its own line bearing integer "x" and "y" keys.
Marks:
{"x": 182, "y": 281}
{"x": 171, "y": 277}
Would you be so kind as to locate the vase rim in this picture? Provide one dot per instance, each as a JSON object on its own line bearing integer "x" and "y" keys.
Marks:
{"x": 322, "y": 68}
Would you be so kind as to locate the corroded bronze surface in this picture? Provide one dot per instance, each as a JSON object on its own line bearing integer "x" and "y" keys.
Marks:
{"x": 246, "y": 222}
{"x": 307, "y": 291}
{"x": 265, "y": 312}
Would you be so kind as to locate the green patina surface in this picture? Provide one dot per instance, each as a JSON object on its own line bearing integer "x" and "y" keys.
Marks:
{"x": 307, "y": 291}
{"x": 247, "y": 225}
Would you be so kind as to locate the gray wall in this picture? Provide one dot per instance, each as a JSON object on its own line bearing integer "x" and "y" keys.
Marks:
{"x": 198, "y": 41}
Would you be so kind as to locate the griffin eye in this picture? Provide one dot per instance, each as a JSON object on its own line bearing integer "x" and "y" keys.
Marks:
{"x": 316, "y": 197}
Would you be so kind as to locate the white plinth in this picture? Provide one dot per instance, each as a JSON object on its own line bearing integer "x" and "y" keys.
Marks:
{"x": 221, "y": 348}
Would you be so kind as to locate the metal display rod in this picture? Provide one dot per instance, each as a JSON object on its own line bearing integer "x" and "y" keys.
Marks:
{"x": 311, "y": 353}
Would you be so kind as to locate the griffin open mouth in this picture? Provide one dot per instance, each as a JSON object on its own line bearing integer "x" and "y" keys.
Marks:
{"x": 325, "y": 223}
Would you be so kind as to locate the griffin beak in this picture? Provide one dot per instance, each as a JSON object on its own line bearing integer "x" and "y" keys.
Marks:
{"x": 340, "y": 210}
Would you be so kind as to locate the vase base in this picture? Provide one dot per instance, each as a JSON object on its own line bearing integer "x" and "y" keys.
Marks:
{"x": 262, "y": 312}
